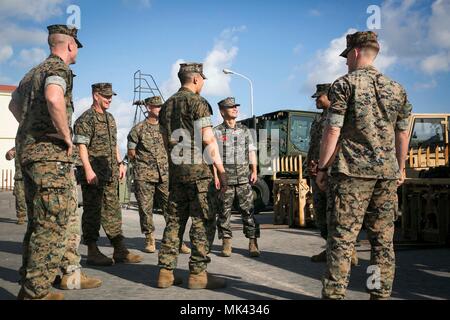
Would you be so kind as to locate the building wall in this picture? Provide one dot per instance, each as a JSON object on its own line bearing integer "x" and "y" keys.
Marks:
{"x": 8, "y": 130}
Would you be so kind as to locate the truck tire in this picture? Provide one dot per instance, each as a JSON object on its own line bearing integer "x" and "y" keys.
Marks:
{"x": 261, "y": 195}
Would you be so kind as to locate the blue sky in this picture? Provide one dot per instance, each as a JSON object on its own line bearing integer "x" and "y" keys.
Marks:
{"x": 285, "y": 47}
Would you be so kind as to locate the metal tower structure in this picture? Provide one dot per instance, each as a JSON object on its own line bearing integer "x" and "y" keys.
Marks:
{"x": 144, "y": 87}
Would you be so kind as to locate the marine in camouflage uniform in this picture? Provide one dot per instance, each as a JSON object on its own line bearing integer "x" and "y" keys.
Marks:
{"x": 52, "y": 237}
{"x": 185, "y": 116}
{"x": 19, "y": 189}
{"x": 236, "y": 146}
{"x": 96, "y": 137}
{"x": 317, "y": 128}
{"x": 372, "y": 112}
{"x": 148, "y": 154}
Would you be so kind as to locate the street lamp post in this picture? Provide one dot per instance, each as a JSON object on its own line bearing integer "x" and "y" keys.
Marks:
{"x": 228, "y": 71}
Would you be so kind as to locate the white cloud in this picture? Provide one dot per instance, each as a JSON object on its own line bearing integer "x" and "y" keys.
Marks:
{"x": 221, "y": 56}
{"x": 36, "y": 10}
{"x": 425, "y": 85}
{"x": 171, "y": 86}
{"x": 31, "y": 57}
{"x": 418, "y": 38}
{"x": 5, "y": 53}
{"x": 315, "y": 13}
{"x": 139, "y": 3}
{"x": 440, "y": 24}
{"x": 13, "y": 34}
{"x": 436, "y": 63}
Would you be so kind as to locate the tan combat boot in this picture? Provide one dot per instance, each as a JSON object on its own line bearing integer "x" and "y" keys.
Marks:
{"x": 226, "y": 247}
{"x": 49, "y": 296}
{"x": 166, "y": 279}
{"x": 321, "y": 257}
{"x": 204, "y": 280}
{"x": 96, "y": 258}
{"x": 253, "y": 248}
{"x": 79, "y": 280}
{"x": 150, "y": 245}
{"x": 185, "y": 249}
{"x": 121, "y": 253}
{"x": 355, "y": 258}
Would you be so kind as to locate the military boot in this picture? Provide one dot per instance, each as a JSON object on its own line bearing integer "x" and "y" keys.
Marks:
{"x": 121, "y": 253}
{"x": 166, "y": 279}
{"x": 49, "y": 296}
{"x": 185, "y": 249}
{"x": 96, "y": 258}
{"x": 226, "y": 247}
{"x": 355, "y": 258}
{"x": 150, "y": 245}
{"x": 78, "y": 280}
{"x": 253, "y": 248}
{"x": 204, "y": 280}
{"x": 20, "y": 221}
{"x": 321, "y": 257}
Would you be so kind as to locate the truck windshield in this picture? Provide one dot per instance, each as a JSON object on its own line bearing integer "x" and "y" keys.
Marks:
{"x": 427, "y": 133}
{"x": 300, "y": 129}
{"x": 281, "y": 125}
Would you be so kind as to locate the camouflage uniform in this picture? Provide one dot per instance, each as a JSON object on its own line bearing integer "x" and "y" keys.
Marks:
{"x": 316, "y": 133}
{"x": 50, "y": 241}
{"x": 101, "y": 207}
{"x": 235, "y": 145}
{"x": 151, "y": 170}
{"x": 19, "y": 191}
{"x": 189, "y": 180}
{"x": 369, "y": 108}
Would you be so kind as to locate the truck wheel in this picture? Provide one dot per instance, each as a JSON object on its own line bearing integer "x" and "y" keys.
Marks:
{"x": 261, "y": 195}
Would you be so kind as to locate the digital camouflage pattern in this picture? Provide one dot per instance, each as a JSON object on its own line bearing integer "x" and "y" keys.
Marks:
{"x": 151, "y": 170}
{"x": 361, "y": 39}
{"x": 154, "y": 101}
{"x": 191, "y": 67}
{"x": 187, "y": 200}
{"x": 316, "y": 133}
{"x": 235, "y": 144}
{"x": 147, "y": 193}
{"x": 101, "y": 207}
{"x": 19, "y": 191}
{"x": 358, "y": 200}
{"x": 98, "y": 132}
{"x": 369, "y": 108}
{"x": 320, "y": 200}
{"x": 321, "y": 89}
{"x": 64, "y": 29}
{"x": 104, "y": 89}
{"x": 152, "y": 162}
{"x": 189, "y": 112}
{"x": 35, "y": 145}
{"x": 52, "y": 237}
{"x": 244, "y": 195}
{"x": 228, "y": 102}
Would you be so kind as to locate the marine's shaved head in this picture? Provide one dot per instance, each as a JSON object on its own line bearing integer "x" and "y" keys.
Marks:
{"x": 57, "y": 39}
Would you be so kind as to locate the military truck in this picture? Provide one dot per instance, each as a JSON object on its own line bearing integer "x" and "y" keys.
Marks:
{"x": 294, "y": 128}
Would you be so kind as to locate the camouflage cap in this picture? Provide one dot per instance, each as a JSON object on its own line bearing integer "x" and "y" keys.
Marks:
{"x": 154, "y": 101}
{"x": 322, "y": 89}
{"x": 64, "y": 29}
{"x": 192, "y": 67}
{"x": 228, "y": 102}
{"x": 104, "y": 89}
{"x": 361, "y": 39}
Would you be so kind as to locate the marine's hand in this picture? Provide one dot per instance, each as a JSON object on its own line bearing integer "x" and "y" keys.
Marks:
{"x": 91, "y": 177}
{"x": 322, "y": 180}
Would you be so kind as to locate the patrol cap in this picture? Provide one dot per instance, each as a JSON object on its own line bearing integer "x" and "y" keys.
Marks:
{"x": 360, "y": 40}
{"x": 228, "y": 103}
{"x": 153, "y": 101}
{"x": 104, "y": 89}
{"x": 64, "y": 29}
{"x": 322, "y": 89}
{"x": 192, "y": 67}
